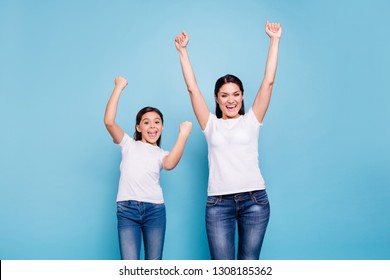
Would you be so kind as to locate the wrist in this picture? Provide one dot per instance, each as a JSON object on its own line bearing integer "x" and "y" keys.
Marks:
{"x": 119, "y": 88}
{"x": 274, "y": 39}
{"x": 182, "y": 51}
{"x": 183, "y": 135}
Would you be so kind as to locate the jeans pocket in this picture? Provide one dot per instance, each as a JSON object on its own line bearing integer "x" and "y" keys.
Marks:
{"x": 158, "y": 205}
{"x": 153, "y": 207}
{"x": 121, "y": 206}
{"x": 260, "y": 197}
{"x": 212, "y": 201}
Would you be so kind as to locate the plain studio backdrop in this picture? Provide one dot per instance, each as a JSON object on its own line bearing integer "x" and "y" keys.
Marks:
{"x": 324, "y": 147}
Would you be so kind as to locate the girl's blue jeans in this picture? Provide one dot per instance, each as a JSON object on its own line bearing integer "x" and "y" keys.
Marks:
{"x": 141, "y": 221}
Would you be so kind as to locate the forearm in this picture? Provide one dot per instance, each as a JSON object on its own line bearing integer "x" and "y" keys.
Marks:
{"x": 272, "y": 62}
{"x": 173, "y": 158}
{"x": 110, "y": 114}
{"x": 263, "y": 96}
{"x": 188, "y": 72}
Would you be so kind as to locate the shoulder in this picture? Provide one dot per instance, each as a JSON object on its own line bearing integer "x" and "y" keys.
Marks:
{"x": 157, "y": 153}
{"x": 250, "y": 115}
{"x": 126, "y": 141}
{"x": 211, "y": 120}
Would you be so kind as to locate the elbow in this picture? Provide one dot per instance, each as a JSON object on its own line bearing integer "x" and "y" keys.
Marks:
{"x": 169, "y": 167}
{"x": 192, "y": 87}
{"x": 191, "y": 90}
{"x": 269, "y": 82}
{"x": 108, "y": 122}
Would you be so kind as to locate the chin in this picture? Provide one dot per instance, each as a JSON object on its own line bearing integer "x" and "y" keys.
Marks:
{"x": 231, "y": 115}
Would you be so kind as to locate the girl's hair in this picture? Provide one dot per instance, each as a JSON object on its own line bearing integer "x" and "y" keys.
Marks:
{"x": 219, "y": 83}
{"x": 143, "y": 111}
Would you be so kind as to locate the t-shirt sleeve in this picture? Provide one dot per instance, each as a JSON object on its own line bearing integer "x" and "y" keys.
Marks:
{"x": 252, "y": 116}
{"x": 163, "y": 154}
{"x": 126, "y": 142}
{"x": 209, "y": 123}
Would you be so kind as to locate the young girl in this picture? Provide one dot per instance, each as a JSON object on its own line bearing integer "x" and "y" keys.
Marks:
{"x": 236, "y": 189}
{"x": 140, "y": 203}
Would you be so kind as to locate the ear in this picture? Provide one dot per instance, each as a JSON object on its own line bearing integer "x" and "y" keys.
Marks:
{"x": 137, "y": 127}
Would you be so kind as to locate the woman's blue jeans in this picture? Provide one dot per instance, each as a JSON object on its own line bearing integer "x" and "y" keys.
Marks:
{"x": 141, "y": 220}
{"x": 248, "y": 211}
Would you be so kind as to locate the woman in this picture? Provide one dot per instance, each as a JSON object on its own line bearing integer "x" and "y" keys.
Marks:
{"x": 236, "y": 189}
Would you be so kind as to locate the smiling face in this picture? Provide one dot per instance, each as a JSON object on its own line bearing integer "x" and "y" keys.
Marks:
{"x": 150, "y": 127}
{"x": 229, "y": 99}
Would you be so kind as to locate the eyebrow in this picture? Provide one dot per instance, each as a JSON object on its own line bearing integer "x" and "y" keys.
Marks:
{"x": 147, "y": 119}
{"x": 222, "y": 92}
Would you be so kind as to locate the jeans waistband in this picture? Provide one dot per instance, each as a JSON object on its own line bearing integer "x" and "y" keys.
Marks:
{"x": 239, "y": 196}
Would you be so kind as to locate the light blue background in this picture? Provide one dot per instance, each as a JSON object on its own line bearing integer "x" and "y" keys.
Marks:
{"x": 324, "y": 146}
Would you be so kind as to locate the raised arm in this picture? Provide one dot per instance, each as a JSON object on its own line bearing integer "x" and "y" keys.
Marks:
{"x": 199, "y": 105}
{"x": 173, "y": 158}
{"x": 113, "y": 128}
{"x": 263, "y": 97}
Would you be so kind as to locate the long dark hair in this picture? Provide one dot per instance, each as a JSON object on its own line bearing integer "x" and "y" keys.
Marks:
{"x": 143, "y": 111}
{"x": 229, "y": 78}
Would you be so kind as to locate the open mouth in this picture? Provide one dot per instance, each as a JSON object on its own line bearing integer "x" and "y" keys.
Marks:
{"x": 152, "y": 134}
{"x": 231, "y": 108}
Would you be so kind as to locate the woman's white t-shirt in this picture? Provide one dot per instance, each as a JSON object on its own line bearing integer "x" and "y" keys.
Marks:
{"x": 233, "y": 154}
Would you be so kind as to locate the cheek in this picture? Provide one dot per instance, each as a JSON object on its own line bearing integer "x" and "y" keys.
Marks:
{"x": 221, "y": 101}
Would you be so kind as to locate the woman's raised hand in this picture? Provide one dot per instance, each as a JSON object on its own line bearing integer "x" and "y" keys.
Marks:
{"x": 273, "y": 29}
{"x": 181, "y": 40}
{"x": 120, "y": 82}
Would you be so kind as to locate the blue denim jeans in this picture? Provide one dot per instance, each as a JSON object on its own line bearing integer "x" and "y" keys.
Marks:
{"x": 141, "y": 220}
{"x": 249, "y": 212}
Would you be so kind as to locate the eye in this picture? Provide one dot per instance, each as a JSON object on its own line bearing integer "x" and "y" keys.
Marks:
{"x": 146, "y": 122}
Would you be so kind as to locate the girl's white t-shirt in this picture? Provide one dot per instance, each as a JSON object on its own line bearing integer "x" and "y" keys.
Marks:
{"x": 233, "y": 154}
{"x": 140, "y": 171}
